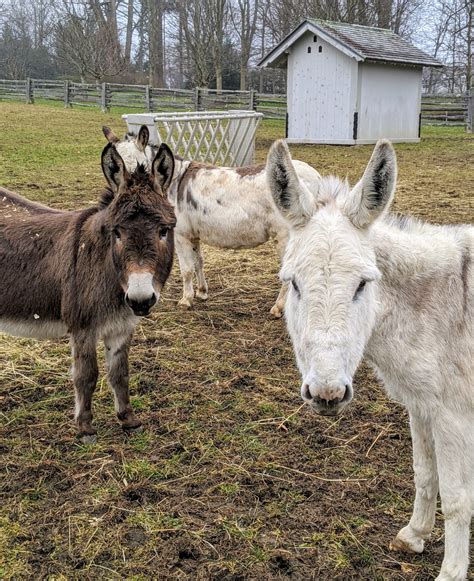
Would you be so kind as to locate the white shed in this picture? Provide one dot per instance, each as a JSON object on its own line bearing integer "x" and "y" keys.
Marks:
{"x": 350, "y": 84}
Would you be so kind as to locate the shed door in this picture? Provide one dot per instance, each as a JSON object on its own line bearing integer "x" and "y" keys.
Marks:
{"x": 323, "y": 92}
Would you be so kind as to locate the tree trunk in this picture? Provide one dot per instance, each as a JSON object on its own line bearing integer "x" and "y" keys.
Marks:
{"x": 243, "y": 76}
{"x": 155, "y": 43}
{"x": 128, "y": 38}
{"x": 218, "y": 77}
{"x": 469, "y": 40}
{"x": 181, "y": 54}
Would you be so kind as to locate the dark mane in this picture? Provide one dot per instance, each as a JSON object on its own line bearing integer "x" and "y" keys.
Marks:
{"x": 140, "y": 198}
{"x": 139, "y": 177}
{"x": 106, "y": 198}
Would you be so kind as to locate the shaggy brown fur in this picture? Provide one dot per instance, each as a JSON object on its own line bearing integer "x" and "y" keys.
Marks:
{"x": 67, "y": 272}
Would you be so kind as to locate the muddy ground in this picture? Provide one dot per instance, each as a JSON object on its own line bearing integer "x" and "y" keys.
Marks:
{"x": 232, "y": 478}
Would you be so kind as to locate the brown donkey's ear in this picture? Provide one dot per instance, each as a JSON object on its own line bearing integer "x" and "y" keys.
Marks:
{"x": 143, "y": 137}
{"x": 114, "y": 168}
{"x": 109, "y": 134}
{"x": 163, "y": 167}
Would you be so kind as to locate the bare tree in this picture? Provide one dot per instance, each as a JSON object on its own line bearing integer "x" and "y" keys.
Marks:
{"x": 87, "y": 39}
{"x": 129, "y": 31}
{"x": 218, "y": 11}
{"x": 195, "y": 24}
{"x": 155, "y": 42}
{"x": 449, "y": 37}
{"x": 244, "y": 18}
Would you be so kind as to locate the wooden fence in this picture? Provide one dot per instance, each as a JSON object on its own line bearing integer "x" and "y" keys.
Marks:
{"x": 445, "y": 109}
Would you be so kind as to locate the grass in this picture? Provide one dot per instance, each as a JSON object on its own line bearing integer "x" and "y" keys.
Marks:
{"x": 231, "y": 477}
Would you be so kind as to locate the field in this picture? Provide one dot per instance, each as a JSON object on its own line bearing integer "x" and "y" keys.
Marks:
{"x": 232, "y": 478}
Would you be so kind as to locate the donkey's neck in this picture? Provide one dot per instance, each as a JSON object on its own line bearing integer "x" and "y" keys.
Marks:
{"x": 422, "y": 299}
{"x": 93, "y": 292}
{"x": 180, "y": 168}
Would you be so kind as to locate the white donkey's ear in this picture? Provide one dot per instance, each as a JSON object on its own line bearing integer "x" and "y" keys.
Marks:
{"x": 373, "y": 194}
{"x": 163, "y": 167}
{"x": 289, "y": 194}
{"x": 143, "y": 137}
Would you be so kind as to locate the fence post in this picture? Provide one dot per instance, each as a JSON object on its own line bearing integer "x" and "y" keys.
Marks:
{"x": 29, "y": 91}
{"x": 252, "y": 103}
{"x": 197, "y": 99}
{"x": 67, "y": 94}
{"x": 470, "y": 110}
{"x": 104, "y": 102}
{"x": 148, "y": 98}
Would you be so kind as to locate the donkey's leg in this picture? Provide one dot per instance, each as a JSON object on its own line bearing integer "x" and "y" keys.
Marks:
{"x": 116, "y": 354}
{"x": 454, "y": 441}
{"x": 277, "y": 309}
{"x": 201, "y": 292}
{"x": 85, "y": 374}
{"x": 412, "y": 537}
{"x": 185, "y": 252}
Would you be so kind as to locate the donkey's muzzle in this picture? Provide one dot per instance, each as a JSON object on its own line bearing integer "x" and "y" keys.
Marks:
{"x": 143, "y": 307}
{"x": 325, "y": 400}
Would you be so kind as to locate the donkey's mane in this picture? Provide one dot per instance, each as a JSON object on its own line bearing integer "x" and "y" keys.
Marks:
{"x": 332, "y": 187}
{"x": 140, "y": 197}
{"x": 411, "y": 225}
{"x": 140, "y": 178}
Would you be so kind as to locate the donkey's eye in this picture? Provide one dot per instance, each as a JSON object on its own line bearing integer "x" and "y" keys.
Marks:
{"x": 117, "y": 232}
{"x": 359, "y": 290}
{"x": 295, "y": 286}
{"x": 163, "y": 233}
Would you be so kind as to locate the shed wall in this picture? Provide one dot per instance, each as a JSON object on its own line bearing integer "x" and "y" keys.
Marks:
{"x": 322, "y": 93}
{"x": 389, "y": 102}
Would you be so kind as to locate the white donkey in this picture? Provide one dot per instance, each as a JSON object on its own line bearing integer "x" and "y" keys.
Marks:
{"x": 401, "y": 293}
{"x": 225, "y": 207}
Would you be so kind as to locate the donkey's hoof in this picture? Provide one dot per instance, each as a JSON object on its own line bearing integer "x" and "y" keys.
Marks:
{"x": 133, "y": 428}
{"x": 276, "y": 312}
{"x": 87, "y": 438}
{"x": 202, "y": 295}
{"x": 407, "y": 542}
{"x": 185, "y": 304}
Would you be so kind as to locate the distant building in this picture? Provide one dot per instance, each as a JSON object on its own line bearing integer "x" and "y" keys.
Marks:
{"x": 349, "y": 84}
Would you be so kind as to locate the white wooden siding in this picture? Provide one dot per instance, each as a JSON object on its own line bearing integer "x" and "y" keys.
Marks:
{"x": 389, "y": 102}
{"x": 322, "y": 92}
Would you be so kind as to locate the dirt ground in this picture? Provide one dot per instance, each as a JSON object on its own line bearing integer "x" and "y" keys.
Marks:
{"x": 232, "y": 478}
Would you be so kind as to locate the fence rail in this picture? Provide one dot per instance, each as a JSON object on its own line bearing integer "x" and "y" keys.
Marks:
{"x": 445, "y": 109}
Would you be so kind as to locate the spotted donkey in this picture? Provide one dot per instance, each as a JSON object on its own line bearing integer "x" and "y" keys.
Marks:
{"x": 90, "y": 273}
{"x": 225, "y": 207}
{"x": 401, "y": 293}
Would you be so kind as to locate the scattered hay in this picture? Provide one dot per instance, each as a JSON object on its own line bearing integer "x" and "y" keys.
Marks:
{"x": 232, "y": 478}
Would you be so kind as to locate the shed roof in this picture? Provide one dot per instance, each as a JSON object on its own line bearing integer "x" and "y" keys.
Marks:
{"x": 364, "y": 43}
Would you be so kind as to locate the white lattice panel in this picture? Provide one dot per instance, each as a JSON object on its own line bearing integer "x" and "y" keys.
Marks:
{"x": 215, "y": 137}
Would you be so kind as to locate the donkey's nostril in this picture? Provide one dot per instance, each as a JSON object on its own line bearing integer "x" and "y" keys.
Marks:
{"x": 305, "y": 392}
{"x": 141, "y": 307}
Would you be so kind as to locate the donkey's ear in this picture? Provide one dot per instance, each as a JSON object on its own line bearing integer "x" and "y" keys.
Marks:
{"x": 143, "y": 137}
{"x": 288, "y": 193}
{"x": 162, "y": 167}
{"x": 114, "y": 168}
{"x": 109, "y": 134}
{"x": 374, "y": 192}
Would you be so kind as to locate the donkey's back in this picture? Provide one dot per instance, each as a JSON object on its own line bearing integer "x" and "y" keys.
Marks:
{"x": 10, "y": 202}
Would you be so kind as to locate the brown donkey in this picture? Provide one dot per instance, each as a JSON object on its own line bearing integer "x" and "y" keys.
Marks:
{"x": 90, "y": 273}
